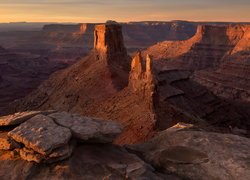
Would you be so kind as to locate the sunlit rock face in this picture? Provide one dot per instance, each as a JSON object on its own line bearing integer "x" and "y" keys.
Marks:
{"x": 141, "y": 79}
{"x": 109, "y": 44}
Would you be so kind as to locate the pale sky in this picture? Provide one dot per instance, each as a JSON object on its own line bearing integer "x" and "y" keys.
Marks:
{"x": 123, "y": 10}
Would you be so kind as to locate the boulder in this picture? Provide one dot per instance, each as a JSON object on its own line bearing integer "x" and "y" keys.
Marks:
{"x": 193, "y": 154}
{"x": 41, "y": 134}
{"x": 88, "y": 129}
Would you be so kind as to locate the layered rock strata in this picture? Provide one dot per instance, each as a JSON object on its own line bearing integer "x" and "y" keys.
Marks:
{"x": 206, "y": 49}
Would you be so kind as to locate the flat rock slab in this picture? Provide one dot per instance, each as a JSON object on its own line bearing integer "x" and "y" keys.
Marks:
{"x": 88, "y": 129}
{"x": 196, "y": 154}
{"x": 17, "y": 118}
{"x": 41, "y": 134}
{"x": 21, "y": 117}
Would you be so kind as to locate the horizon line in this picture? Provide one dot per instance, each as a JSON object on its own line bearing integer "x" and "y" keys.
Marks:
{"x": 77, "y": 22}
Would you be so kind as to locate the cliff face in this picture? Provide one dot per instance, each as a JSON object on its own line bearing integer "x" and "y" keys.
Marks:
{"x": 141, "y": 79}
{"x": 109, "y": 44}
{"x": 219, "y": 55}
{"x": 206, "y": 49}
{"x": 231, "y": 79}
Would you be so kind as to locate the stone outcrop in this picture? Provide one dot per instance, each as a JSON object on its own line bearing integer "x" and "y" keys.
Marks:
{"x": 183, "y": 151}
{"x": 88, "y": 129}
{"x": 41, "y": 134}
{"x": 197, "y": 154}
{"x": 46, "y": 137}
{"x": 55, "y": 148}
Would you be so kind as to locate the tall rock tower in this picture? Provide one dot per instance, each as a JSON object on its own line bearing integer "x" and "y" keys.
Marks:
{"x": 141, "y": 78}
{"x": 109, "y": 44}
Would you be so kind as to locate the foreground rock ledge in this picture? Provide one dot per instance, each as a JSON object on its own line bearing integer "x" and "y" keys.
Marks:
{"x": 62, "y": 151}
{"x": 50, "y": 137}
{"x": 197, "y": 154}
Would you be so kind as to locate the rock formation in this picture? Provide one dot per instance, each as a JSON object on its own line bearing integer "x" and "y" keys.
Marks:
{"x": 231, "y": 79}
{"x": 80, "y": 84}
{"x": 206, "y": 49}
{"x": 109, "y": 44}
{"x": 145, "y": 100}
{"x": 62, "y": 145}
{"x": 49, "y": 136}
{"x": 196, "y": 154}
{"x": 141, "y": 78}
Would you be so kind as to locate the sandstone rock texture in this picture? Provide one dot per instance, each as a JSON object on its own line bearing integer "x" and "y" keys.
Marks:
{"x": 50, "y": 137}
{"x": 198, "y": 154}
{"x": 231, "y": 79}
{"x": 206, "y": 49}
{"x": 58, "y": 146}
{"x": 220, "y": 53}
{"x": 141, "y": 78}
{"x": 183, "y": 151}
{"x": 109, "y": 44}
{"x": 88, "y": 129}
{"x": 41, "y": 134}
